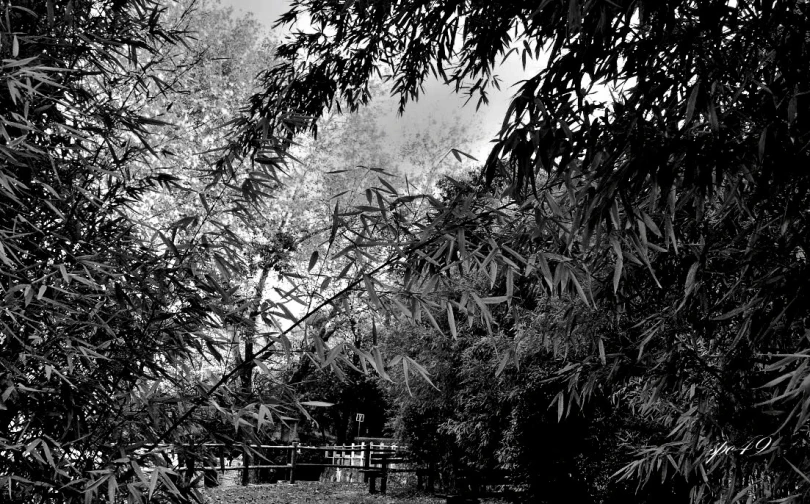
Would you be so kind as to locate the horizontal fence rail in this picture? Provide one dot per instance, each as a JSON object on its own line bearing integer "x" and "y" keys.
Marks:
{"x": 373, "y": 460}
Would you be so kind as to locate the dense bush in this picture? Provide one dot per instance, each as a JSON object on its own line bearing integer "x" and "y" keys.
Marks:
{"x": 480, "y": 424}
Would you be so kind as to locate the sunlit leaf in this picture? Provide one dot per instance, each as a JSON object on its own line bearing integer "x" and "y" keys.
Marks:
{"x": 451, "y": 320}
{"x": 317, "y": 404}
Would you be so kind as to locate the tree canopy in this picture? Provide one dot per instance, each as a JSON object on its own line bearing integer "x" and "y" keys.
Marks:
{"x": 635, "y": 243}
{"x": 650, "y": 172}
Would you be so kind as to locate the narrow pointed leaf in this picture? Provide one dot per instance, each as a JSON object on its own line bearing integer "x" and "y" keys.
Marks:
{"x": 451, "y": 320}
{"x": 313, "y": 260}
{"x": 372, "y": 294}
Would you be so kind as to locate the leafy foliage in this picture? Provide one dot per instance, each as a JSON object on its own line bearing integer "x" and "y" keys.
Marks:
{"x": 498, "y": 405}
{"x": 675, "y": 208}
{"x": 102, "y": 315}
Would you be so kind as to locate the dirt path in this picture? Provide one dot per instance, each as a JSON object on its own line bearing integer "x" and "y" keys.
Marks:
{"x": 317, "y": 493}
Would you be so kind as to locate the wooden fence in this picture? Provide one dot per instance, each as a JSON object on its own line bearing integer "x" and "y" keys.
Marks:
{"x": 373, "y": 460}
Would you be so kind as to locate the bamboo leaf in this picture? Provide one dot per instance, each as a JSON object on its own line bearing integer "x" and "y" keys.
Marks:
{"x": 503, "y": 363}
{"x": 742, "y": 493}
{"x": 421, "y": 370}
{"x": 690, "y": 104}
{"x": 379, "y": 365}
{"x": 112, "y": 486}
{"x": 451, "y": 320}
{"x": 405, "y": 311}
{"x": 388, "y": 186}
{"x": 406, "y": 372}
{"x": 546, "y": 271}
{"x": 690, "y": 278}
{"x": 798, "y": 471}
{"x": 578, "y": 287}
{"x": 763, "y": 137}
{"x": 432, "y": 320}
{"x": 153, "y": 479}
{"x": 602, "y": 356}
{"x": 372, "y": 294}
{"x": 335, "y": 219}
{"x": 651, "y": 225}
{"x": 263, "y": 367}
{"x": 617, "y": 273}
{"x": 313, "y": 260}
{"x": 221, "y": 267}
{"x": 317, "y": 404}
{"x": 737, "y": 310}
{"x": 510, "y": 283}
{"x": 374, "y": 335}
{"x": 457, "y": 153}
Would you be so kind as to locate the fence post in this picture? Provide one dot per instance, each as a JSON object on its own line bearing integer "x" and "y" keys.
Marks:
{"x": 293, "y": 456}
{"x": 222, "y": 463}
{"x": 366, "y": 460}
{"x": 384, "y": 475}
{"x": 245, "y": 465}
{"x": 190, "y": 463}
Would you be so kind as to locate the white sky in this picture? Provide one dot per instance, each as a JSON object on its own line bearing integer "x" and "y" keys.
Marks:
{"x": 439, "y": 103}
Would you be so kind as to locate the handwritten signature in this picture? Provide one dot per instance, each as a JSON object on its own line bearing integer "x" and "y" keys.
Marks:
{"x": 755, "y": 448}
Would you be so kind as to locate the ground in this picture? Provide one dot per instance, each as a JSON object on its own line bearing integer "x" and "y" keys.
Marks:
{"x": 306, "y": 492}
